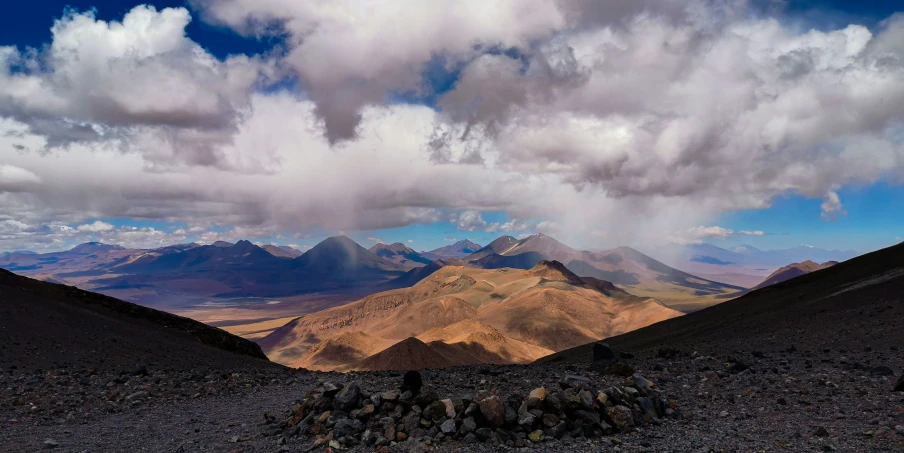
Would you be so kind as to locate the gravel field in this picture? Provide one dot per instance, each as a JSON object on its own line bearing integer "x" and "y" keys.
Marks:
{"x": 790, "y": 400}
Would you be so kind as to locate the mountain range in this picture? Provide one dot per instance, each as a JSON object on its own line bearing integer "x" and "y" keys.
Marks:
{"x": 189, "y": 274}
{"x": 464, "y": 315}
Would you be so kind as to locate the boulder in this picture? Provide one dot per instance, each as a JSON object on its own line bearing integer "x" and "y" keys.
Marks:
{"x": 641, "y": 384}
{"x": 525, "y": 417}
{"x": 347, "y": 398}
{"x": 468, "y": 425}
{"x": 571, "y": 381}
{"x": 448, "y": 427}
{"x": 586, "y": 399}
{"x": 899, "y": 387}
{"x": 450, "y": 407}
{"x": 493, "y": 411}
{"x": 621, "y": 417}
{"x": 437, "y": 410}
{"x": 536, "y": 397}
{"x": 557, "y": 430}
{"x": 412, "y": 382}
{"x": 881, "y": 370}
{"x": 537, "y": 436}
{"x": 330, "y": 389}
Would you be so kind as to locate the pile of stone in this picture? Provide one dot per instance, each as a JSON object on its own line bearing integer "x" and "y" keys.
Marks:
{"x": 345, "y": 416}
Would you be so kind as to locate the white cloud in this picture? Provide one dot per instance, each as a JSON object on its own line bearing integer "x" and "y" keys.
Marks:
{"x": 411, "y": 241}
{"x": 373, "y": 239}
{"x": 695, "y": 235}
{"x": 472, "y": 220}
{"x": 832, "y": 208}
{"x": 96, "y": 227}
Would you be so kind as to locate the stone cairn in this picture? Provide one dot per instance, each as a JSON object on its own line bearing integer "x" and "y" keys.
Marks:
{"x": 343, "y": 416}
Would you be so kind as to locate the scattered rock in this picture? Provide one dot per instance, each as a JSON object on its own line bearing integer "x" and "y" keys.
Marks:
{"x": 448, "y": 427}
{"x": 899, "y": 387}
{"x": 821, "y": 432}
{"x": 537, "y": 436}
{"x": 50, "y": 443}
{"x": 882, "y": 370}
{"x": 137, "y": 396}
{"x": 571, "y": 381}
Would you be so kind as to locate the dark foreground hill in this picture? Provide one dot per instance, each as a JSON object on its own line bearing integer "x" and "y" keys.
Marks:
{"x": 857, "y": 304}
{"x": 46, "y": 325}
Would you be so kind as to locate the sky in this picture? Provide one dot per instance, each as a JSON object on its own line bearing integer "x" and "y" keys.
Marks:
{"x": 627, "y": 122}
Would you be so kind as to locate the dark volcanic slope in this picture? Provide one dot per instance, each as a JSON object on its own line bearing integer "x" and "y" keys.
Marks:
{"x": 786, "y": 273}
{"x": 45, "y": 324}
{"x": 852, "y": 305}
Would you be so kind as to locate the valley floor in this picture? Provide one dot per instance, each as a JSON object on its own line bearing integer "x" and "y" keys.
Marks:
{"x": 807, "y": 400}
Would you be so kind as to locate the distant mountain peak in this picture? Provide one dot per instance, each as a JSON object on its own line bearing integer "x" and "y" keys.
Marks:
{"x": 94, "y": 247}
{"x": 459, "y": 249}
{"x": 222, "y": 244}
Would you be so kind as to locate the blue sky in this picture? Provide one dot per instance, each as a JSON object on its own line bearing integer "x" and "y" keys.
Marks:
{"x": 873, "y": 214}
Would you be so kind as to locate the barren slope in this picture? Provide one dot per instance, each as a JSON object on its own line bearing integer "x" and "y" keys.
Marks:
{"x": 497, "y": 316}
{"x": 45, "y": 325}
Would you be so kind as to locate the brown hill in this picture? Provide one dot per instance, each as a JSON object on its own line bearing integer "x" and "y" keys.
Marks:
{"x": 414, "y": 354}
{"x": 855, "y": 304}
{"x": 341, "y": 350}
{"x": 509, "y": 315}
{"x": 45, "y": 324}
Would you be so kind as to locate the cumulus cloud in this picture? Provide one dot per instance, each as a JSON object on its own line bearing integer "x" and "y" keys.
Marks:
{"x": 832, "y": 208}
{"x": 373, "y": 239}
{"x": 472, "y": 220}
{"x": 620, "y": 122}
{"x": 112, "y": 81}
{"x": 96, "y": 227}
{"x": 55, "y": 236}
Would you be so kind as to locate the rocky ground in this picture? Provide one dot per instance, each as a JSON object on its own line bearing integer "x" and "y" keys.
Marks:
{"x": 793, "y": 399}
